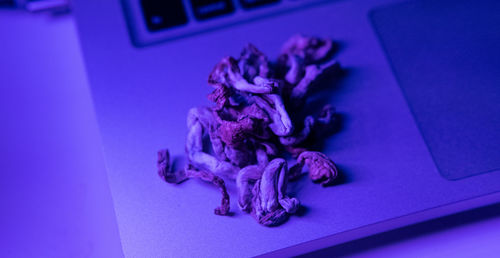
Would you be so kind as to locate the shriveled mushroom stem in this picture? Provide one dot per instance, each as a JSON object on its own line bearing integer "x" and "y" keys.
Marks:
{"x": 198, "y": 119}
{"x": 228, "y": 73}
{"x": 301, "y": 136}
{"x": 273, "y": 104}
{"x": 217, "y": 181}
{"x": 241, "y": 84}
{"x": 319, "y": 127}
{"x": 296, "y": 69}
{"x": 271, "y": 206}
{"x": 245, "y": 182}
{"x": 312, "y": 73}
{"x": 165, "y": 169}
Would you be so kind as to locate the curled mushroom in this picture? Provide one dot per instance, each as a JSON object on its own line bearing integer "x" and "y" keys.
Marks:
{"x": 255, "y": 123}
{"x": 227, "y": 73}
{"x": 253, "y": 63}
{"x": 321, "y": 168}
{"x": 271, "y": 205}
{"x": 311, "y": 49}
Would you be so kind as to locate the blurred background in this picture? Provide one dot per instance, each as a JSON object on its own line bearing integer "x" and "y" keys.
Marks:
{"x": 53, "y": 197}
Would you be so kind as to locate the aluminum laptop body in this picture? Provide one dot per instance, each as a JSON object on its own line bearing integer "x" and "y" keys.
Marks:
{"x": 144, "y": 78}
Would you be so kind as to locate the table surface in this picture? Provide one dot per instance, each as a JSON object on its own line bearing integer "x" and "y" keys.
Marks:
{"x": 47, "y": 114}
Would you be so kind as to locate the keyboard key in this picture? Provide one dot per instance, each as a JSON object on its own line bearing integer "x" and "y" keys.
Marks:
{"x": 205, "y": 9}
{"x": 160, "y": 15}
{"x": 256, "y": 3}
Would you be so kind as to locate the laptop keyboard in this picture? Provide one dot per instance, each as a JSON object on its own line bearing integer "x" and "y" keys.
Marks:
{"x": 160, "y": 15}
{"x": 153, "y": 21}
{"x": 207, "y": 9}
{"x": 167, "y": 14}
{"x": 256, "y": 3}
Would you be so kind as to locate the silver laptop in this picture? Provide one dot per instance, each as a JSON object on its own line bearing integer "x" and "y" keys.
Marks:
{"x": 419, "y": 106}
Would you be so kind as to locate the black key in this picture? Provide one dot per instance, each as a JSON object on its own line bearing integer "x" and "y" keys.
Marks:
{"x": 8, "y": 3}
{"x": 205, "y": 9}
{"x": 256, "y": 3}
{"x": 163, "y": 14}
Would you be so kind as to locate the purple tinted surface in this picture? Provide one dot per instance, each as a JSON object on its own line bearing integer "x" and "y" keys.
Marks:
{"x": 49, "y": 130}
{"x": 54, "y": 195}
{"x": 143, "y": 95}
{"x": 30, "y": 228}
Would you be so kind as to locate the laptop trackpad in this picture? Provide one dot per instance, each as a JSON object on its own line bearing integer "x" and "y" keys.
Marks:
{"x": 446, "y": 57}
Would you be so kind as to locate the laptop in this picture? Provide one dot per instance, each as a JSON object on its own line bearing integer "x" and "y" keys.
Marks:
{"x": 419, "y": 106}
